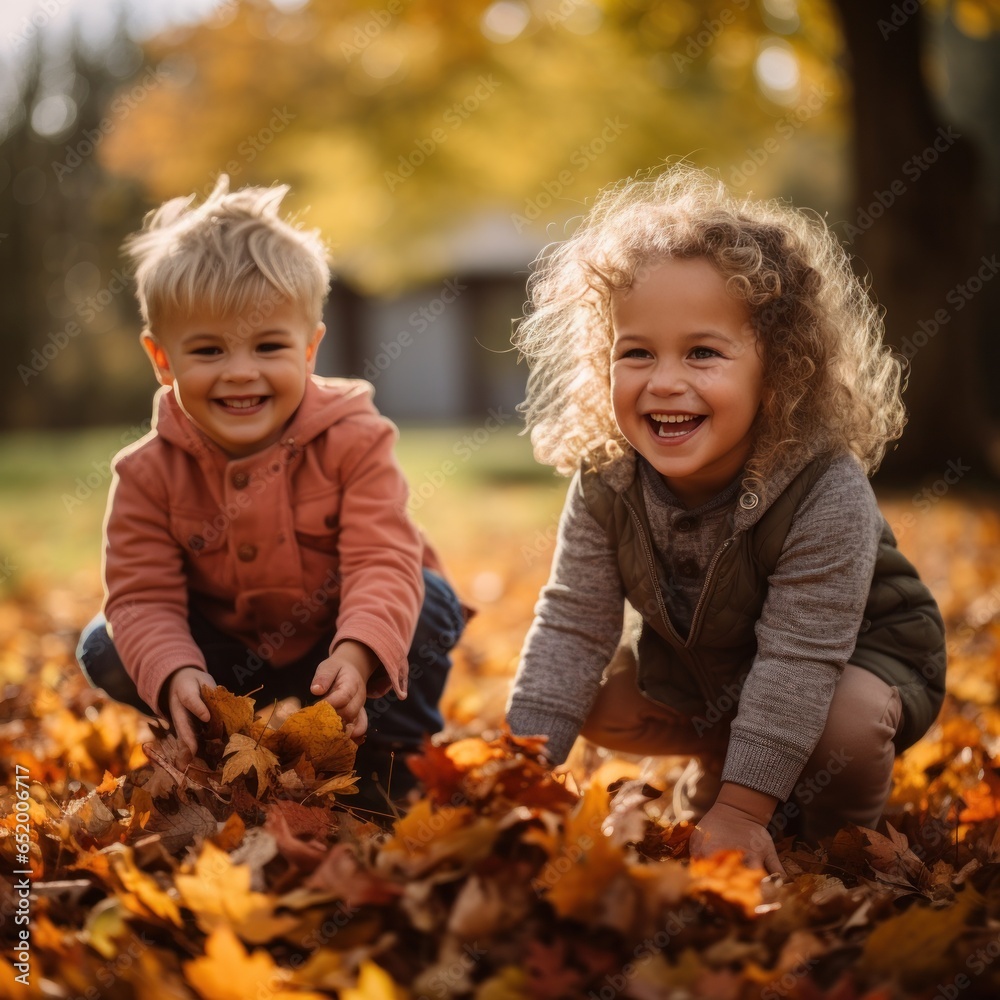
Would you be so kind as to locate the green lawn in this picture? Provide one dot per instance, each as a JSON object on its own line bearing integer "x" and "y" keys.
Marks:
{"x": 54, "y": 485}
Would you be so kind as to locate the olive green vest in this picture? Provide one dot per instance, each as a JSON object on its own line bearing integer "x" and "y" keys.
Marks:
{"x": 901, "y": 639}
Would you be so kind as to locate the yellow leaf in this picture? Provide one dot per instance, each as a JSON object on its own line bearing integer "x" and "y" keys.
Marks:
{"x": 724, "y": 875}
{"x": 915, "y": 944}
{"x": 345, "y": 784}
{"x": 145, "y": 889}
{"x": 586, "y": 861}
{"x": 374, "y": 983}
{"x": 218, "y": 893}
{"x": 426, "y": 836}
{"x": 227, "y": 972}
{"x": 235, "y": 713}
{"x": 246, "y": 754}
{"x": 318, "y": 733}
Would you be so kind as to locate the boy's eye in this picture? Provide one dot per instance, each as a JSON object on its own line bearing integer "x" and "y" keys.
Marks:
{"x": 207, "y": 351}
{"x": 271, "y": 346}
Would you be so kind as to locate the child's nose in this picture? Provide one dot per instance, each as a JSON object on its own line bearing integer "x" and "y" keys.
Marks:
{"x": 666, "y": 378}
{"x": 242, "y": 368}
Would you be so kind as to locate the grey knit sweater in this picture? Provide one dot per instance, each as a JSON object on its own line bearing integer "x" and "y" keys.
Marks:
{"x": 805, "y": 635}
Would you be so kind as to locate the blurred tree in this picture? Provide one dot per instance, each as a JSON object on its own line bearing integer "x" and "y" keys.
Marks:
{"x": 393, "y": 123}
{"x": 61, "y": 220}
{"x": 919, "y": 224}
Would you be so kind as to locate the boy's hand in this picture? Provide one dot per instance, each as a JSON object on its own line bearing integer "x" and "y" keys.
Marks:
{"x": 342, "y": 680}
{"x": 737, "y": 822}
{"x": 184, "y": 700}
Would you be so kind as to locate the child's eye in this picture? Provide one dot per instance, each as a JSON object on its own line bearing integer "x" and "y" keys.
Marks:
{"x": 269, "y": 347}
{"x": 703, "y": 353}
{"x": 635, "y": 352}
{"x": 207, "y": 351}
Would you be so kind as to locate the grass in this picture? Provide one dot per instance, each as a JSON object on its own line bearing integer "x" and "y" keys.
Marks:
{"x": 465, "y": 481}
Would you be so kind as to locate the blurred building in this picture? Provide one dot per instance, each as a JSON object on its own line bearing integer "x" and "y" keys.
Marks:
{"x": 441, "y": 352}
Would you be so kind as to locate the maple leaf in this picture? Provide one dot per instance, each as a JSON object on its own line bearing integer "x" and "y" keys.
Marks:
{"x": 218, "y": 893}
{"x": 317, "y": 732}
{"x": 227, "y": 972}
{"x": 248, "y": 755}
{"x": 144, "y": 890}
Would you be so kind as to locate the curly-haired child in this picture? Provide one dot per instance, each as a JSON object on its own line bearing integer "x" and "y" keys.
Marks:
{"x": 257, "y": 537}
{"x": 712, "y": 374}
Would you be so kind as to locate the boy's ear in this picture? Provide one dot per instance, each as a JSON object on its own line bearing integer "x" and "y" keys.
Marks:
{"x": 157, "y": 357}
{"x": 313, "y": 345}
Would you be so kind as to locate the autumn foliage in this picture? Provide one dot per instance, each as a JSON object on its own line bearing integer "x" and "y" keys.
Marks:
{"x": 247, "y": 872}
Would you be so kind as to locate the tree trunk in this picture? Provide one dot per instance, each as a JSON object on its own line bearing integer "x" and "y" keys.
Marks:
{"x": 918, "y": 226}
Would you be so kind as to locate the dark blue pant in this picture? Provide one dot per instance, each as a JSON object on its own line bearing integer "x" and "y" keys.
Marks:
{"x": 394, "y": 727}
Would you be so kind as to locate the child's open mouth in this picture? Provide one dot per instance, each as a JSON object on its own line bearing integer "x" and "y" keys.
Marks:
{"x": 241, "y": 404}
{"x": 674, "y": 425}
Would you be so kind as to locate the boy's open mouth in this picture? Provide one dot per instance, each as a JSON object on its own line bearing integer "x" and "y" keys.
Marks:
{"x": 667, "y": 425}
{"x": 238, "y": 403}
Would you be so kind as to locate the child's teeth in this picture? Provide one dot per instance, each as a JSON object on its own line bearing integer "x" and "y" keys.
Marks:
{"x": 241, "y": 404}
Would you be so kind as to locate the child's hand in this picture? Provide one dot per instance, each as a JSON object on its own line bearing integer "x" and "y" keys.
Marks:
{"x": 737, "y": 822}
{"x": 342, "y": 680}
{"x": 184, "y": 700}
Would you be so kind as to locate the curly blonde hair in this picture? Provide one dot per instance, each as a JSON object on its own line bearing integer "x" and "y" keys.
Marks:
{"x": 226, "y": 256}
{"x": 829, "y": 384}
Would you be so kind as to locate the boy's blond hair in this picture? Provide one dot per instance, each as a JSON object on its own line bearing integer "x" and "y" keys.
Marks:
{"x": 226, "y": 256}
{"x": 829, "y": 383}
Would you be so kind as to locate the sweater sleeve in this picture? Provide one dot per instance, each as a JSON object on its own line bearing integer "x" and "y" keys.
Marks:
{"x": 146, "y": 601}
{"x": 380, "y": 551}
{"x": 576, "y": 629}
{"x": 807, "y": 630}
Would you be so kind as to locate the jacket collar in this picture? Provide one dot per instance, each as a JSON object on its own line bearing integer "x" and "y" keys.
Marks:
{"x": 622, "y": 473}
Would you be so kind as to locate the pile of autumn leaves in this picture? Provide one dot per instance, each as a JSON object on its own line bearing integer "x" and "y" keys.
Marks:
{"x": 247, "y": 875}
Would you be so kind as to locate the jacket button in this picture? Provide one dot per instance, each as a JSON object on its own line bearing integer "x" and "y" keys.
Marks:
{"x": 749, "y": 500}
{"x": 687, "y": 567}
{"x": 686, "y": 523}
{"x": 246, "y": 552}
{"x": 240, "y": 480}
{"x": 196, "y": 542}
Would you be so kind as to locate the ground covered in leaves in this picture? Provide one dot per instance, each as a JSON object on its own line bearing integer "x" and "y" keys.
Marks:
{"x": 247, "y": 874}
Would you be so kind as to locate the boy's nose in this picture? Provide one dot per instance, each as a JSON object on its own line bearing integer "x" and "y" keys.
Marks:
{"x": 242, "y": 369}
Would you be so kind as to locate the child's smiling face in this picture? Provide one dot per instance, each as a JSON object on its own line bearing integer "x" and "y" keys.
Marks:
{"x": 686, "y": 377}
{"x": 238, "y": 378}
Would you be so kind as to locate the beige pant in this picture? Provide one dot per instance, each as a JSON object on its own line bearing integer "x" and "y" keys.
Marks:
{"x": 846, "y": 780}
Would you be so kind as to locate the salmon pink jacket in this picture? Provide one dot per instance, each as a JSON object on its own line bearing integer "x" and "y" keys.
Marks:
{"x": 307, "y": 538}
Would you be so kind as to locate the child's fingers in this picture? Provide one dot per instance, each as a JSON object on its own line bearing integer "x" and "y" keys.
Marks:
{"x": 185, "y": 730}
{"x": 360, "y": 726}
{"x": 323, "y": 678}
{"x": 346, "y": 696}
